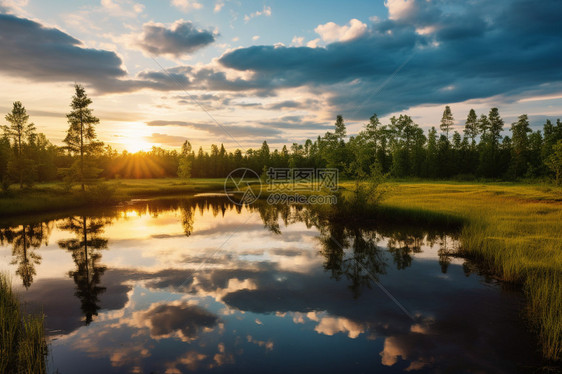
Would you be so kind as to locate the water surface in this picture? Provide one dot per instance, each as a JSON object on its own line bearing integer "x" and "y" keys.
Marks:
{"x": 201, "y": 285}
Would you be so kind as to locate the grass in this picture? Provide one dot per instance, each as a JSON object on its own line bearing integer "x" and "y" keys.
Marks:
{"x": 51, "y": 197}
{"x": 23, "y": 347}
{"x": 515, "y": 233}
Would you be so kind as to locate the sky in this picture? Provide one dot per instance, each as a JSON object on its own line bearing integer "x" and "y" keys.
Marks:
{"x": 241, "y": 72}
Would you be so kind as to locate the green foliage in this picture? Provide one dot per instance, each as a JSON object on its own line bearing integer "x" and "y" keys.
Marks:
{"x": 520, "y": 146}
{"x": 81, "y": 137}
{"x": 471, "y": 128}
{"x": 23, "y": 347}
{"x": 20, "y": 167}
{"x": 184, "y": 167}
{"x": 447, "y": 121}
{"x": 554, "y": 162}
{"x": 400, "y": 148}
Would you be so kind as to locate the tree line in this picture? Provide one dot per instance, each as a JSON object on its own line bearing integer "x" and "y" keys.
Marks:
{"x": 401, "y": 148}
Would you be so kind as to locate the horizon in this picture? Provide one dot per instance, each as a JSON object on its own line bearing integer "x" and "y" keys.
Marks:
{"x": 144, "y": 63}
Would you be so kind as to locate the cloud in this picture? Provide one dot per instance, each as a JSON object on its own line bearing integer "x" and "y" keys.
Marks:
{"x": 266, "y": 11}
{"x": 293, "y": 104}
{"x": 165, "y": 139}
{"x": 218, "y": 6}
{"x": 180, "y": 39}
{"x": 399, "y": 9}
{"x": 425, "y": 54}
{"x": 331, "y": 32}
{"x": 122, "y": 8}
{"x": 297, "y": 41}
{"x": 32, "y": 51}
{"x": 180, "y": 320}
{"x": 333, "y": 325}
{"x": 237, "y": 131}
{"x": 186, "y": 5}
{"x": 13, "y": 5}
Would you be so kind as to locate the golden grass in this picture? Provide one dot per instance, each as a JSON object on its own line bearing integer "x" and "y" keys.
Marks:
{"x": 515, "y": 231}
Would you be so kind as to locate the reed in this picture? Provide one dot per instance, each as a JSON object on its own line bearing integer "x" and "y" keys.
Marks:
{"x": 23, "y": 346}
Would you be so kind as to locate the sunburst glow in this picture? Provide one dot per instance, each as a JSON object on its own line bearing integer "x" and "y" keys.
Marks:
{"x": 134, "y": 138}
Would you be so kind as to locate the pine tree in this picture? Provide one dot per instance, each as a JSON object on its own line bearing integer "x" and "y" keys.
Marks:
{"x": 22, "y": 134}
{"x": 554, "y": 162}
{"x": 184, "y": 167}
{"x": 340, "y": 131}
{"x": 483, "y": 125}
{"x": 432, "y": 154}
{"x": 447, "y": 121}
{"x": 520, "y": 146}
{"x": 496, "y": 126}
{"x": 81, "y": 136}
{"x": 471, "y": 129}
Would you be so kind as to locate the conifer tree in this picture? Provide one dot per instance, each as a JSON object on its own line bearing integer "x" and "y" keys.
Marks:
{"x": 81, "y": 136}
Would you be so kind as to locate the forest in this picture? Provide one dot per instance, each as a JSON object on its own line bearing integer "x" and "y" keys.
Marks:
{"x": 400, "y": 148}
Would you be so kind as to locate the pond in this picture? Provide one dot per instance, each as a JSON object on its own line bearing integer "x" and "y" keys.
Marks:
{"x": 202, "y": 285}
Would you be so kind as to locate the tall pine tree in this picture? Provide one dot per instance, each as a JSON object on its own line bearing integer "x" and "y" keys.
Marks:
{"x": 81, "y": 136}
{"x": 22, "y": 134}
{"x": 447, "y": 121}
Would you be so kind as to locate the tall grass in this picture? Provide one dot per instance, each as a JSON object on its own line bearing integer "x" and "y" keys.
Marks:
{"x": 22, "y": 341}
{"x": 515, "y": 233}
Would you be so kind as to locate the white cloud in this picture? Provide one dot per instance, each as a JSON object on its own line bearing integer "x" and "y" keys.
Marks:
{"x": 332, "y": 32}
{"x": 332, "y": 325}
{"x": 186, "y": 5}
{"x": 218, "y": 6}
{"x": 17, "y": 5}
{"x": 313, "y": 43}
{"x": 255, "y": 37}
{"x": 265, "y": 12}
{"x": 398, "y": 9}
{"x": 426, "y": 30}
{"x": 297, "y": 41}
{"x": 122, "y": 8}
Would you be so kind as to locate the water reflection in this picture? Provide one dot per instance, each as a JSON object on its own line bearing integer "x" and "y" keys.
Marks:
{"x": 25, "y": 239}
{"x": 200, "y": 284}
{"x": 85, "y": 247}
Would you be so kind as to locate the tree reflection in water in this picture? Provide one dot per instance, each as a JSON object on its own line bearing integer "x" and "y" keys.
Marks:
{"x": 351, "y": 250}
{"x": 85, "y": 249}
{"x": 354, "y": 250}
{"x": 25, "y": 239}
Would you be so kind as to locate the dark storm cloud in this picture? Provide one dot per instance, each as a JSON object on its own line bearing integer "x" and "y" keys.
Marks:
{"x": 180, "y": 39}
{"x": 37, "y": 53}
{"x": 438, "y": 52}
{"x": 473, "y": 50}
{"x": 30, "y": 50}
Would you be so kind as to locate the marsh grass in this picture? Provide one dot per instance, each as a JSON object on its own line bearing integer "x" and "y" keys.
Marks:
{"x": 513, "y": 231}
{"x": 23, "y": 347}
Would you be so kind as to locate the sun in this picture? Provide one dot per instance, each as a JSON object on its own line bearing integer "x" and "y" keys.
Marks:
{"x": 134, "y": 139}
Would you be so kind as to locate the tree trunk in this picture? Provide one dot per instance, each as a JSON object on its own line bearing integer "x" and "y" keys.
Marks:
{"x": 81, "y": 151}
{"x": 85, "y": 233}
{"x": 19, "y": 159}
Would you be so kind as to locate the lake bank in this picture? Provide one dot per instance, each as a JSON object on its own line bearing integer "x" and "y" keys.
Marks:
{"x": 512, "y": 230}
